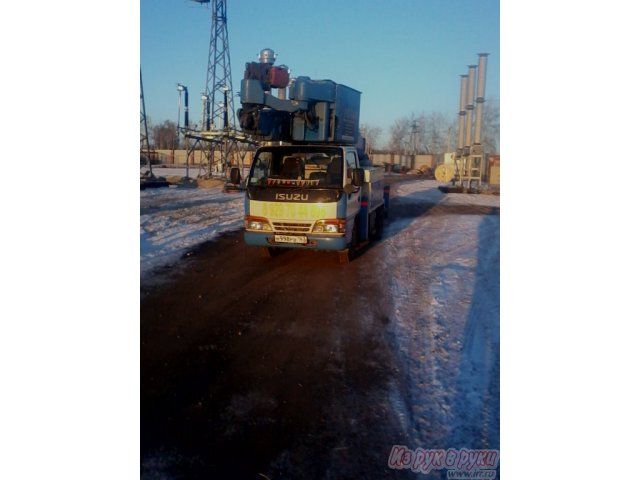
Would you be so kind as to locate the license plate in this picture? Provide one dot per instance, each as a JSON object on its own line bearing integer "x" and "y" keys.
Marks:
{"x": 291, "y": 238}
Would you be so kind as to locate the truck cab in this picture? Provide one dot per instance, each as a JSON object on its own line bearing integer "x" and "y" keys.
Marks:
{"x": 312, "y": 196}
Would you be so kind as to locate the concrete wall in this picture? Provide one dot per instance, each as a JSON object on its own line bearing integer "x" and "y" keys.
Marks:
{"x": 404, "y": 160}
{"x": 179, "y": 157}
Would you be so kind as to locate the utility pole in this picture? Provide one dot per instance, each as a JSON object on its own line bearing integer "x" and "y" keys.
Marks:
{"x": 414, "y": 142}
{"x": 144, "y": 132}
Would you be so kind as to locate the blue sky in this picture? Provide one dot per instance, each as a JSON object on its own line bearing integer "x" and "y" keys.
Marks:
{"x": 404, "y": 56}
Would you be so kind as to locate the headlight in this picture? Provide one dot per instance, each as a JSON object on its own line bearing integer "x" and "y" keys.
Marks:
{"x": 257, "y": 223}
{"x": 337, "y": 225}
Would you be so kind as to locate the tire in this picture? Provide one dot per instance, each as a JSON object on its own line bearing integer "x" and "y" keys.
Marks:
{"x": 355, "y": 240}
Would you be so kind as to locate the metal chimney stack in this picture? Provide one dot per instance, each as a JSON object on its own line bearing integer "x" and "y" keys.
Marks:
{"x": 471, "y": 90}
{"x": 482, "y": 76}
{"x": 462, "y": 112}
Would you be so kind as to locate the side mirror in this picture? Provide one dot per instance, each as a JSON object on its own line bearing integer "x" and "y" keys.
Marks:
{"x": 357, "y": 177}
{"x": 235, "y": 175}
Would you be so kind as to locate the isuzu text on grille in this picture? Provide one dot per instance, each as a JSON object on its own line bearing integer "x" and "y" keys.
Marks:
{"x": 292, "y": 196}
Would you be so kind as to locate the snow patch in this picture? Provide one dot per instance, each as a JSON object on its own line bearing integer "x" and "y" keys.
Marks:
{"x": 173, "y": 220}
{"x": 443, "y": 275}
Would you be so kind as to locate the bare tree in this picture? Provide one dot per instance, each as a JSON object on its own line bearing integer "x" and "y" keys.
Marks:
{"x": 399, "y": 134}
{"x": 165, "y": 135}
{"x": 372, "y": 134}
{"x": 424, "y": 133}
{"x": 491, "y": 126}
{"x": 437, "y": 132}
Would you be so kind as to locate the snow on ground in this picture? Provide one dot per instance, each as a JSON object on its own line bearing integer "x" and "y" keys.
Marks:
{"x": 175, "y": 219}
{"x": 444, "y": 279}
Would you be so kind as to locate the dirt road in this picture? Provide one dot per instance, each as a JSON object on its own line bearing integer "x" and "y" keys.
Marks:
{"x": 298, "y": 367}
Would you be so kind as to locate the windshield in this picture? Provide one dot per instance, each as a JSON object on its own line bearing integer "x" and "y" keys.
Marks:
{"x": 298, "y": 166}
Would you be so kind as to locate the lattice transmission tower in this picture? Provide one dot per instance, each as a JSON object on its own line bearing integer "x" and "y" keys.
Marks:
{"x": 218, "y": 131}
{"x": 219, "y": 86}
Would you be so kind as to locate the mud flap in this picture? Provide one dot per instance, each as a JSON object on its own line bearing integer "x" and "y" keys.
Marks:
{"x": 268, "y": 252}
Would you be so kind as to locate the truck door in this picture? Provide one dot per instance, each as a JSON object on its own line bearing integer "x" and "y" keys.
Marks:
{"x": 353, "y": 199}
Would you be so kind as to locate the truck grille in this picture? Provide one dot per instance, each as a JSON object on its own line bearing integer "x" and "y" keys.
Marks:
{"x": 291, "y": 227}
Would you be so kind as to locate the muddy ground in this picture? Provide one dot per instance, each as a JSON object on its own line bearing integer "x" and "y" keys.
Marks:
{"x": 274, "y": 368}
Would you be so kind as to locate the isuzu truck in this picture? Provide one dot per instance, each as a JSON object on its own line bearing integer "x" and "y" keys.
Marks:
{"x": 308, "y": 186}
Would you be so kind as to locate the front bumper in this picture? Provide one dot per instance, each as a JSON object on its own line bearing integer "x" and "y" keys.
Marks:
{"x": 315, "y": 242}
